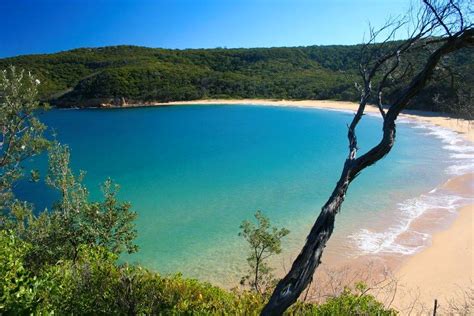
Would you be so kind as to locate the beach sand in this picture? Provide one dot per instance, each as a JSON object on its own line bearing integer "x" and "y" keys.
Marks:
{"x": 442, "y": 270}
{"x": 445, "y": 269}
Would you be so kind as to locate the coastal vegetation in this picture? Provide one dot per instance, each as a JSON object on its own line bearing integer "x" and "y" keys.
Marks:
{"x": 97, "y": 284}
{"x": 118, "y": 75}
{"x": 264, "y": 241}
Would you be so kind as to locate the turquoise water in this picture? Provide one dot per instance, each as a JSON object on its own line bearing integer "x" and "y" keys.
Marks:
{"x": 193, "y": 173}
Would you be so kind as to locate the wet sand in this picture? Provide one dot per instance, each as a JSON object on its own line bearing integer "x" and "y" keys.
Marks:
{"x": 445, "y": 269}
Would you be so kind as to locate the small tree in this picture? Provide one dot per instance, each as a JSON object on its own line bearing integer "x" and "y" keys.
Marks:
{"x": 74, "y": 221}
{"x": 21, "y": 133}
{"x": 264, "y": 241}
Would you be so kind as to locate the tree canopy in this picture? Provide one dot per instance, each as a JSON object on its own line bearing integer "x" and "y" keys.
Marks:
{"x": 93, "y": 76}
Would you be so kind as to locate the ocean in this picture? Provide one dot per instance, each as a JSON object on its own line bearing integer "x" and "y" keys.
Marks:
{"x": 194, "y": 173}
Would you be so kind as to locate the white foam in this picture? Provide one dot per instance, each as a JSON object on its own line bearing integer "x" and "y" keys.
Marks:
{"x": 461, "y": 161}
{"x": 384, "y": 242}
{"x": 373, "y": 242}
{"x": 462, "y": 156}
{"x": 461, "y": 151}
{"x": 460, "y": 148}
{"x": 460, "y": 169}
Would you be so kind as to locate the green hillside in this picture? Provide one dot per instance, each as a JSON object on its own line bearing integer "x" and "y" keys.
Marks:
{"x": 93, "y": 76}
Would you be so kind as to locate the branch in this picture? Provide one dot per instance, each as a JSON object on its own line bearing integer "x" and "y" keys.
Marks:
{"x": 461, "y": 19}
{"x": 438, "y": 17}
{"x": 292, "y": 285}
{"x": 382, "y": 84}
{"x": 13, "y": 133}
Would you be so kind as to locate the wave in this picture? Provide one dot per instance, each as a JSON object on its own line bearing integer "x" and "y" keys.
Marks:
{"x": 389, "y": 241}
{"x": 461, "y": 161}
{"x": 461, "y": 151}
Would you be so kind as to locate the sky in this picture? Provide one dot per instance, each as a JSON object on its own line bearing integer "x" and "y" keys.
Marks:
{"x": 48, "y": 26}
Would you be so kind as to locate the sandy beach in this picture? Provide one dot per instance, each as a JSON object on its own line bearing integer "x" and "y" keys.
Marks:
{"x": 445, "y": 270}
{"x": 442, "y": 270}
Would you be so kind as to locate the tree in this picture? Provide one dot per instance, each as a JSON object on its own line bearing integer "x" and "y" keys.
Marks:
{"x": 264, "y": 241}
{"x": 21, "y": 133}
{"x": 439, "y": 26}
{"x": 74, "y": 221}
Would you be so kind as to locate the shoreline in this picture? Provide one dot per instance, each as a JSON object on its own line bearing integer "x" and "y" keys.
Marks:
{"x": 447, "y": 266}
{"x": 461, "y": 126}
{"x": 437, "y": 280}
{"x": 447, "y": 263}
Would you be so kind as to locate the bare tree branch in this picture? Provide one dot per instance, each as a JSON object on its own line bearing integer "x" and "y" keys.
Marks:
{"x": 301, "y": 273}
{"x": 438, "y": 16}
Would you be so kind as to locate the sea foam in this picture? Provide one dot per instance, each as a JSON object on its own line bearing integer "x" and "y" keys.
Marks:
{"x": 390, "y": 241}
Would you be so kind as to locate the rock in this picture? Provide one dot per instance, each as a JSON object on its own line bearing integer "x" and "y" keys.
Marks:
{"x": 119, "y": 101}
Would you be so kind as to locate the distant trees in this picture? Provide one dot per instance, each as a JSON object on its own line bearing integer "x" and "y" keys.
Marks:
{"x": 264, "y": 241}
{"x": 88, "y": 77}
{"x": 441, "y": 27}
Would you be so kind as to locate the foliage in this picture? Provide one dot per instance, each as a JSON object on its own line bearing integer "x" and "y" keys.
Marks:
{"x": 21, "y": 133}
{"x": 96, "y": 284}
{"x": 90, "y": 77}
{"x": 264, "y": 241}
{"x": 18, "y": 286}
{"x": 350, "y": 302}
{"x": 74, "y": 221}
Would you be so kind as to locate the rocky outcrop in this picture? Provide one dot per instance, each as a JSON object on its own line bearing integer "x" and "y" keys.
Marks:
{"x": 119, "y": 101}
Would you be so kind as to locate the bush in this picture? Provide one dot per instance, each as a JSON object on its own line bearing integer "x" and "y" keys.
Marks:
{"x": 96, "y": 284}
{"x": 19, "y": 288}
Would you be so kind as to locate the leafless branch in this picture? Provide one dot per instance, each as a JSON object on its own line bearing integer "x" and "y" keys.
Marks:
{"x": 430, "y": 20}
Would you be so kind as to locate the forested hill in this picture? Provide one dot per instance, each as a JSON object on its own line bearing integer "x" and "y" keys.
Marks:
{"x": 94, "y": 76}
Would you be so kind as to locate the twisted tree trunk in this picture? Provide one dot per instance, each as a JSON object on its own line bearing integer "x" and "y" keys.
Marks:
{"x": 292, "y": 285}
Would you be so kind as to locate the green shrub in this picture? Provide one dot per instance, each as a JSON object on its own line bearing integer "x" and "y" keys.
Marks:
{"x": 350, "y": 302}
{"x": 19, "y": 288}
{"x": 96, "y": 284}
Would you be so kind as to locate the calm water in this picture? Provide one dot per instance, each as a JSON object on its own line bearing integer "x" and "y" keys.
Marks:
{"x": 193, "y": 173}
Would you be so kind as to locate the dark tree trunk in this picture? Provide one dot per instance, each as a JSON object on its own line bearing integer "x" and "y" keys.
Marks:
{"x": 301, "y": 273}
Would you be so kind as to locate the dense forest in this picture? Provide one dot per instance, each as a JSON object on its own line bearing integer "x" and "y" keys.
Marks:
{"x": 130, "y": 74}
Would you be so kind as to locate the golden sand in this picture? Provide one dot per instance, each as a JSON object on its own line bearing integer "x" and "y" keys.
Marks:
{"x": 445, "y": 270}
{"x": 442, "y": 271}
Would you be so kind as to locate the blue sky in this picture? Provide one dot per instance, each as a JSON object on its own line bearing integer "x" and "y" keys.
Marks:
{"x": 45, "y": 26}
